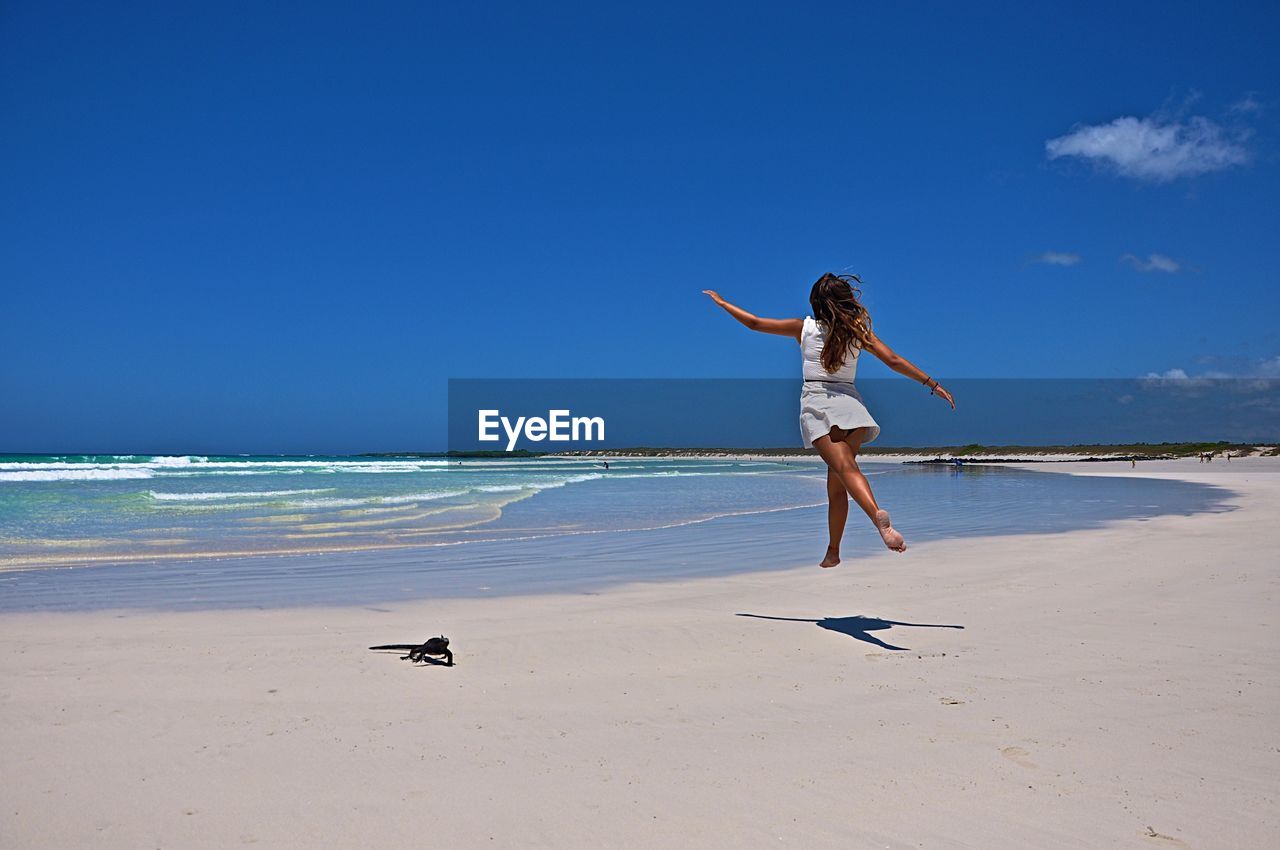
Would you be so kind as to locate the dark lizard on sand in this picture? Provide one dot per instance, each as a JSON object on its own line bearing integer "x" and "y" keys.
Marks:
{"x": 420, "y": 651}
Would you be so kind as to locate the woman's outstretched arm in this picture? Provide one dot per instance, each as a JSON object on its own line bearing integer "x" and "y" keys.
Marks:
{"x": 781, "y": 327}
{"x": 903, "y": 366}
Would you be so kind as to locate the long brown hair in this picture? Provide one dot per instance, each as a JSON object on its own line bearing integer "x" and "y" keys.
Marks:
{"x": 834, "y": 299}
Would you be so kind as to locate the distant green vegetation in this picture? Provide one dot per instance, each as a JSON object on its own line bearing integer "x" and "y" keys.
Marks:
{"x": 1126, "y": 449}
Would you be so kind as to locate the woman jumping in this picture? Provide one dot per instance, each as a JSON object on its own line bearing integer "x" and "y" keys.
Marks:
{"x": 832, "y": 417}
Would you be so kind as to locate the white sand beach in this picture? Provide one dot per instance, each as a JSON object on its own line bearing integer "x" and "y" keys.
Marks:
{"x": 1114, "y": 688}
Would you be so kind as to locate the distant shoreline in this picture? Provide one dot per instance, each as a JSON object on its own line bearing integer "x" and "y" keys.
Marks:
{"x": 971, "y": 453}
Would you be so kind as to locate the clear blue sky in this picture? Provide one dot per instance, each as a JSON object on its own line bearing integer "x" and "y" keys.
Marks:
{"x": 282, "y": 227}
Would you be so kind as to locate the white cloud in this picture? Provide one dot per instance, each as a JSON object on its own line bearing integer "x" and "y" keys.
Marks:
{"x": 1246, "y": 105}
{"x": 1153, "y": 263}
{"x": 1237, "y": 369}
{"x": 1176, "y": 379}
{"x": 1152, "y": 148}
{"x": 1058, "y": 258}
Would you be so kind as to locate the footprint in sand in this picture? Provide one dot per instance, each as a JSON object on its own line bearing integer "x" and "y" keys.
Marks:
{"x": 1018, "y": 756}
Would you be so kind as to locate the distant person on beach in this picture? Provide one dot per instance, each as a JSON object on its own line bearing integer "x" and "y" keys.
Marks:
{"x": 833, "y": 418}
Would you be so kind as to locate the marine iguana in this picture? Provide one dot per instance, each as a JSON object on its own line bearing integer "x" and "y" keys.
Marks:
{"x": 420, "y": 651}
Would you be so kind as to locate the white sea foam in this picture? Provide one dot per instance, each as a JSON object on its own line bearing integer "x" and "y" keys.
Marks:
{"x": 422, "y": 497}
{"x": 221, "y": 472}
{"x": 361, "y": 463}
{"x": 676, "y": 473}
{"x": 538, "y": 485}
{"x": 378, "y": 468}
{"x": 327, "y": 503}
{"x": 187, "y": 466}
{"x": 542, "y": 475}
{"x": 54, "y": 465}
{"x": 566, "y": 465}
{"x": 589, "y": 476}
{"x": 186, "y": 507}
{"x": 417, "y": 497}
{"x": 260, "y": 494}
{"x": 181, "y": 460}
{"x": 91, "y": 474}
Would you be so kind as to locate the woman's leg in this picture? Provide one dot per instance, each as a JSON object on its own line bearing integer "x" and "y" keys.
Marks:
{"x": 837, "y": 516}
{"x": 841, "y": 458}
{"x": 839, "y": 450}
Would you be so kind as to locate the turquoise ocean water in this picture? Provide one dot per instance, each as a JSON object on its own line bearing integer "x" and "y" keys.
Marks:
{"x": 164, "y": 531}
{"x": 80, "y": 510}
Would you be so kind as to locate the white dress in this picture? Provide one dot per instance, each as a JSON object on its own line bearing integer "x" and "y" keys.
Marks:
{"x": 829, "y": 400}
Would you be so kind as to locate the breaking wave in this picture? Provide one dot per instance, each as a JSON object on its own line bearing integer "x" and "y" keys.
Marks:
{"x": 260, "y": 494}
{"x": 92, "y": 474}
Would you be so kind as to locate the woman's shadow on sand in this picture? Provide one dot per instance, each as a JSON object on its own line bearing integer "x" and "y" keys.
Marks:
{"x": 858, "y": 627}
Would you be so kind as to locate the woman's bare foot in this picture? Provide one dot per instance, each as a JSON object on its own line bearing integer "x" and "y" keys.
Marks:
{"x": 833, "y": 557}
{"x": 888, "y": 534}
